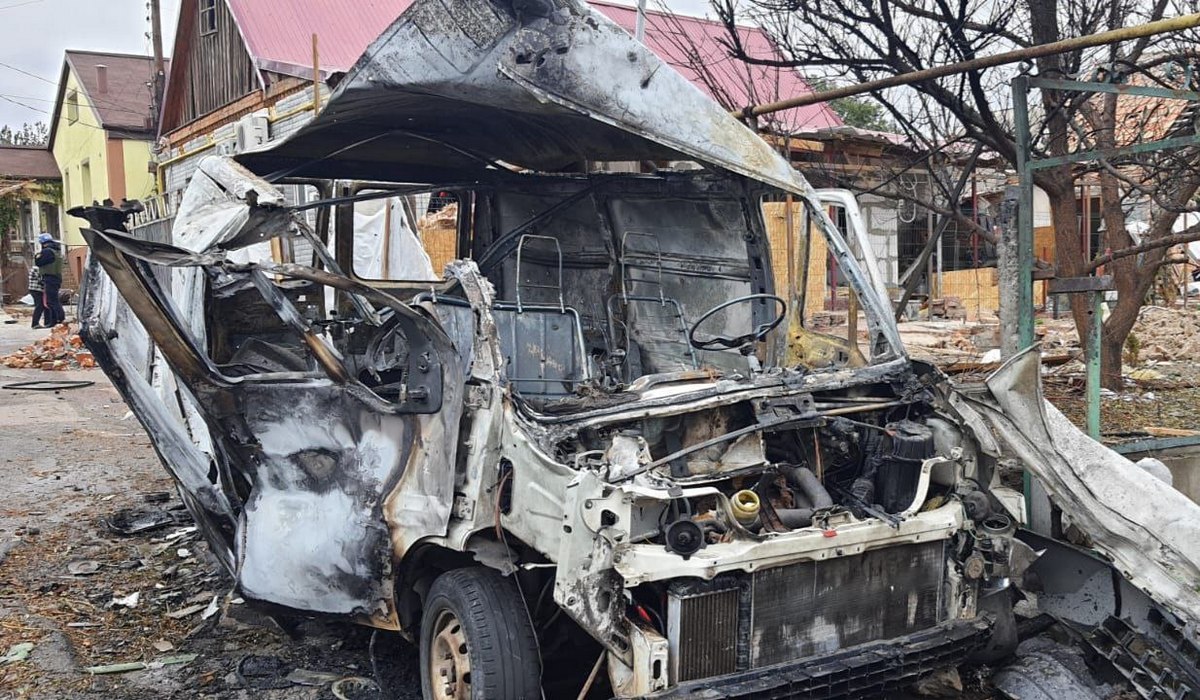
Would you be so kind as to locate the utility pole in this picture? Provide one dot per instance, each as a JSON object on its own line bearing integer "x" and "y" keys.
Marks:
{"x": 160, "y": 73}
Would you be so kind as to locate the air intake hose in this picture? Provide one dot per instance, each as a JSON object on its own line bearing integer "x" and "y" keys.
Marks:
{"x": 812, "y": 488}
{"x": 811, "y": 492}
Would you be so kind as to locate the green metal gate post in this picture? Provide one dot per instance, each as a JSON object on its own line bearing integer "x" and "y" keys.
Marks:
{"x": 1020, "y": 90}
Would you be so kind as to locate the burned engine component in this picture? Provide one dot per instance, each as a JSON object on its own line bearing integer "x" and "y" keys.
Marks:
{"x": 809, "y": 495}
{"x": 684, "y": 537}
{"x": 745, "y": 504}
{"x": 911, "y": 443}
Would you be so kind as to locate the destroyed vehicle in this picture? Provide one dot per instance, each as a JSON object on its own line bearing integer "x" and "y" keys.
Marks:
{"x": 425, "y": 366}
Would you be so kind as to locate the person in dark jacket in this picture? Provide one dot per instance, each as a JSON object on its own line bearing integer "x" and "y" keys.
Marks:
{"x": 36, "y": 289}
{"x": 49, "y": 262}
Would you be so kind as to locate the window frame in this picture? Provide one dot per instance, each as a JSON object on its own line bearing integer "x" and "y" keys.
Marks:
{"x": 208, "y": 17}
{"x": 72, "y": 106}
{"x": 345, "y": 218}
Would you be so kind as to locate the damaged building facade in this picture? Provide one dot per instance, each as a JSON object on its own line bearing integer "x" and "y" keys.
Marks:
{"x": 602, "y": 429}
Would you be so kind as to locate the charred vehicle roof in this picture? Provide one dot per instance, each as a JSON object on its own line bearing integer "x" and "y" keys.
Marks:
{"x": 429, "y": 348}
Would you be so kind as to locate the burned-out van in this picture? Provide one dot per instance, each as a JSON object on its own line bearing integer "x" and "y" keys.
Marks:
{"x": 519, "y": 406}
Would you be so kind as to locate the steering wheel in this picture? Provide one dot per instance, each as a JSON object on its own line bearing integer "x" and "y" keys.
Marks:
{"x": 727, "y": 343}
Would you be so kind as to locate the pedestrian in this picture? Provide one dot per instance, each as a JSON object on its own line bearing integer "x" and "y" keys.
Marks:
{"x": 36, "y": 289}
{"x": 49, "y": 262}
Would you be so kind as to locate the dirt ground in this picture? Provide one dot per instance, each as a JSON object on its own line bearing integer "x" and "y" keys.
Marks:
{"x": 1161, "y": 377}
{"x": 75, "y": 459}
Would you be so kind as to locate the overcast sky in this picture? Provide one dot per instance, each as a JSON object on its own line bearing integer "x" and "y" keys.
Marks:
{"x": 34, "y": 34}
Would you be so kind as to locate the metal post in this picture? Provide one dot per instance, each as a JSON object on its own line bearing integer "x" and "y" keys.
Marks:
{"x": 1093, "y": 366}
{"x": 1020, "y": 90}
{"x": 932, "y": 291}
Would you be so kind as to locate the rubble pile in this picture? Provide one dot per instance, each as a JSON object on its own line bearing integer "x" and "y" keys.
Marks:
{"x": 62, "y": 350}
{"x": 1167, "y": 334}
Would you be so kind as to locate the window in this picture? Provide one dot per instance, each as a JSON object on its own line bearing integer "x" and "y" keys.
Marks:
{"x": 72, "y": 107}
{"x": 208, "y": 17}
{"x": 409, "y": 238}
{"x": 85, "y": 176}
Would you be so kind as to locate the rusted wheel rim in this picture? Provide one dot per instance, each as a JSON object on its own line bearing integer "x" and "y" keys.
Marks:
{"x": 449, "y": 663}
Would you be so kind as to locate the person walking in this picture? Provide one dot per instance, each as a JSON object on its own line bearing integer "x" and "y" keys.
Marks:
{"x": 36, "y": 289}
{"x": 49, "y": 262}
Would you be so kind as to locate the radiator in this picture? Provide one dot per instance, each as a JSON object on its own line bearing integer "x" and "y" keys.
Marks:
{"x": 740, "y": 622}
{"x": 703, "y": 633}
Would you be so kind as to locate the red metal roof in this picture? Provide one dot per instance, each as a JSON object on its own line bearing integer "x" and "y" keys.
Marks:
{"x": 278, "y": 35}
{"x": 28, "y": 162}
{"x": 687, "y": 42}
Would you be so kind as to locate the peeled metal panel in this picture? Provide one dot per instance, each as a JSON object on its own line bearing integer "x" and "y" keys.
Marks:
{"x": 816, "y": 608}
{"x": 703, "y": 630}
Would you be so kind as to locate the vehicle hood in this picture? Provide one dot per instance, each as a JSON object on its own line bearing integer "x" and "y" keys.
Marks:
{"x": 469, "y": 88}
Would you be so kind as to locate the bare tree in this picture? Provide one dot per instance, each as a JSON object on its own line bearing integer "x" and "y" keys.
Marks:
{"x": 918, "y": 171}
{"x": 860, "y": 40}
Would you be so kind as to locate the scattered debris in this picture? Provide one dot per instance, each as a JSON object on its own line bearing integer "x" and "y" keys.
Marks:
{"x": 131, "y": 521}
{"x": 1167, "y": 333}
{"x": 129, "y": 601}
{"x": 141, "y": 665}
{"x": 163, "y": 645}
{"x": 18, "y": 652}
{"x": 1046, "y": 670}
{"x": 186, "y": 612}
{"x": 259, "y": 672}
{"x": 1145, "y": 374}
{"x": 354, "y": 688}
{"x": 86, "y": 567}
{"x": 62, "y": 350}
{"x": 303, "y": 676}
{"x": 1155, "y": 431}
{"x": 210, "y": 610}
{"x": 47, "y": 385}
{"x": 950, "y": 308}
{"x": 945, "y": 683}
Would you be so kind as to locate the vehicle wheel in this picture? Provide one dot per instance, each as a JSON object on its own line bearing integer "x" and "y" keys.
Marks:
{"x": 476, "y": 639}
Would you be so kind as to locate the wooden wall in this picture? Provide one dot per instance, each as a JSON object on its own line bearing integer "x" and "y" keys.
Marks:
{"x": 775, "y": 216}
{"x": 219, "y": 69}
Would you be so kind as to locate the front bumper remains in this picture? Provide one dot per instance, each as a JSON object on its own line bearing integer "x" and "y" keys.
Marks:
{"x": 866, "y": 670}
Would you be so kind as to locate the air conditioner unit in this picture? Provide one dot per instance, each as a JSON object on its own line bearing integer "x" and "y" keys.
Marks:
{"x": 251, "y": 132}
{"x": 225, "y": 148}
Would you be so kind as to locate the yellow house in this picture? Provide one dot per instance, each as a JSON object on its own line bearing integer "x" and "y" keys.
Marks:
{"x": 101, "y": 134}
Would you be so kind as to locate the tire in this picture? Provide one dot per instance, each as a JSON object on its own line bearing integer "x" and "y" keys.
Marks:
{"x": 475, "y": 618}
